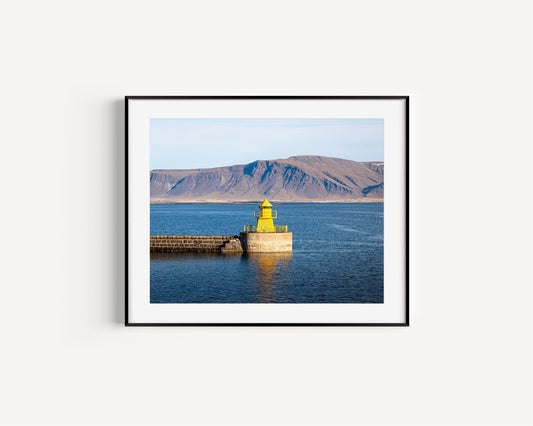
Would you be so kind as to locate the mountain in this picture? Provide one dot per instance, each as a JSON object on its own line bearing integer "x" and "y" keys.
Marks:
{"x": 301, "y": 178}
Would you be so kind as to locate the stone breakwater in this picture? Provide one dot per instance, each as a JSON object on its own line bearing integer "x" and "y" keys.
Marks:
{"x": 247, "y": 242}
{"x": 195, "y": 244}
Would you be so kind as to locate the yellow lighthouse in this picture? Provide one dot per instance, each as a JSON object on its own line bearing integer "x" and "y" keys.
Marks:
{"x": 265, "y": 237}
{"x": 265, "y": 222}
{"x": 265, "y": 216}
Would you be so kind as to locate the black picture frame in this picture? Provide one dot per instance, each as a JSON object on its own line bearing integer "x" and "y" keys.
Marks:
{"x": 404, "y": 323}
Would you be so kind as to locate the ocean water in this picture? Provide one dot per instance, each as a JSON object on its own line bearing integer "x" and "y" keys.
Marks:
{"x": 337, "y": 256}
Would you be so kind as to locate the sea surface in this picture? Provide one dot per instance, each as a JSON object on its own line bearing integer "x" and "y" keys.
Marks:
{"x": 337, "y": 256}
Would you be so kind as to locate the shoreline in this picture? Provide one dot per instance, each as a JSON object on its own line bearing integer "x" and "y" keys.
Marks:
{"x": 376, "y": 200}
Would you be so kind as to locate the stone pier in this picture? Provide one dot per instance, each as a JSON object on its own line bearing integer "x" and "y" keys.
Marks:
{"x": 248, "y": 242}
{"x": 195, "y": 244}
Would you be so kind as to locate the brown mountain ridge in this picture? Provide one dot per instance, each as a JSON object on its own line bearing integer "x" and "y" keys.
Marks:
{"x": 303, "y": 178}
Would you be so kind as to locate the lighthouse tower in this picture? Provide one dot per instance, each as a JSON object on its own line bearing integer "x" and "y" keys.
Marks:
{"x": 265, "y": 216}
{"x": 265, "y": 237}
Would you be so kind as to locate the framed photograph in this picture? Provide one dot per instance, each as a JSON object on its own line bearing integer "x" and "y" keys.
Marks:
{"x": 267, "y": 210}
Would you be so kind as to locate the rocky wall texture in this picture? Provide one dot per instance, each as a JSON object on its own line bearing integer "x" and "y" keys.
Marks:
{"x": 195, "y": 244}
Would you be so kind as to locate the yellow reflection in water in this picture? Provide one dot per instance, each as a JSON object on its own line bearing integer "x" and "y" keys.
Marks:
{"x": 269, "y": 265}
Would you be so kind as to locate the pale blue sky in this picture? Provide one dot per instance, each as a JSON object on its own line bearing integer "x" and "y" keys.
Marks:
{"x": 207, "y": 142}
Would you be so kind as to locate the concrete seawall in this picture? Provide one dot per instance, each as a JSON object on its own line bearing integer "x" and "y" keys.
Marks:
{"x": 266, "y": 242}
{"x": 195, "y": 244}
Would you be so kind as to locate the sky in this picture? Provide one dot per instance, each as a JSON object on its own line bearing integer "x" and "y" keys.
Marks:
{"x": 208, "y": 142}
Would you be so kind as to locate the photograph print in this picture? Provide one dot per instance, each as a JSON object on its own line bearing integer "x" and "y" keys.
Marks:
{"x": 265, "y": 214}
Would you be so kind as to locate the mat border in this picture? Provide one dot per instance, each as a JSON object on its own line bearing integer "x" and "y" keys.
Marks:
{"x": 127, "y": 323}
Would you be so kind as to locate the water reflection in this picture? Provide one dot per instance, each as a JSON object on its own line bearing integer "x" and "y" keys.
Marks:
{"x": 271, "y": 270}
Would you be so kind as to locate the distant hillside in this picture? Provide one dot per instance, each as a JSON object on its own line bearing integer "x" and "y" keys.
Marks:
{"x": 301, "y": 178}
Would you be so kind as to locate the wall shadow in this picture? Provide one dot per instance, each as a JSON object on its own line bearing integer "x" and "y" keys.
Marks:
{"x": 118, "y": 210}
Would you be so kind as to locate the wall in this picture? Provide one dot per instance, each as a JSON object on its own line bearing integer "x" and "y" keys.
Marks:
{"x": 65, "y": 357}
{"x": 266, "y": 242}
{"x": 194, "y": 243}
